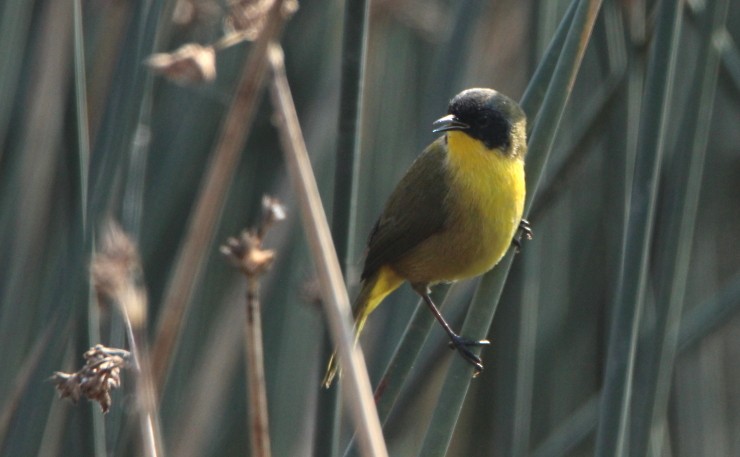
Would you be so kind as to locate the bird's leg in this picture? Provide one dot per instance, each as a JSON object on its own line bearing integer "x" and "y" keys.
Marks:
{"x": 524, "y": 231}
{"x": 456, "y": 341}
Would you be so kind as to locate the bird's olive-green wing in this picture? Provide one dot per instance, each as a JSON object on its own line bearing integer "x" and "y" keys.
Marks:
{"x": 414, "y": 211}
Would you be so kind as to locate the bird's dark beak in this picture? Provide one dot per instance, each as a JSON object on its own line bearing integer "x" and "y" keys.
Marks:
{"x": 449, "y": 122}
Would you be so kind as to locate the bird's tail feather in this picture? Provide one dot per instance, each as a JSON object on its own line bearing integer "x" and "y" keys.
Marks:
{"x": 374, "y": 290}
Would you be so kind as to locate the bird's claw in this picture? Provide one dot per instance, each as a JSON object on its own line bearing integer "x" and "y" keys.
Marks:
{"x": 525, "y": 231}
{"x": 462, "y": 344}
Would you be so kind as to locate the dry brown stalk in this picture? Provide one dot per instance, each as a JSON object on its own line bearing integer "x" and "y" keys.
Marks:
{"x": 356, "y": 390}
{"x": 247, "y": 254}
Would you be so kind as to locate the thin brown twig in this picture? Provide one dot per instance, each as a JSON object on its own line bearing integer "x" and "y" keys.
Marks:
{"x": 247, "y": 254}
{"x": 356, "y": 389}
{"x": 199, "y": 236}
{"x": 115, "y": 272}
{"x": 146, "y": 394}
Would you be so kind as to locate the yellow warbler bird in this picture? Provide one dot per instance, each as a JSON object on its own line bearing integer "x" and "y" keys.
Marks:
{"x": 454, "y": 213}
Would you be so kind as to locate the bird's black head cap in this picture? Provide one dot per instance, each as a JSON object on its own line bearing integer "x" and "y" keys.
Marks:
{"x": 486, "y": 115}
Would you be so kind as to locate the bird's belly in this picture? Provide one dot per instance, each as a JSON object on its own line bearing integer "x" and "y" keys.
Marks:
{"x": 460, "y": 252}
{"x": 485, "y": 207}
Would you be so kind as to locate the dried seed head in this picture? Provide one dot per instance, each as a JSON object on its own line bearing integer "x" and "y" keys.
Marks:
{"x": 100, "y": 375}
{"x": 246, "y": 253}
{"x": 68, "y": 385}
{"x": 246, "y": 18}
{"x": 272, "y": 211}
{"x": 116, "y": 260}
{"x": 116, "y": 274}
{"x": 190, "y": 64}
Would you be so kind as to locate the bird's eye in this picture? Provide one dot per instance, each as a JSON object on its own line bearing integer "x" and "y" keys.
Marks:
{"x": 482, "y": 122}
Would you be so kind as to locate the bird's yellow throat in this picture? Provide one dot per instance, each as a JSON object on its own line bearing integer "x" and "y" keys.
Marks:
{"x": 492, "y": 185}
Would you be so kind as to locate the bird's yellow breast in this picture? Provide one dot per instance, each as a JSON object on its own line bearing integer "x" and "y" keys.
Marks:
{"x": 484, "y": 207}
{"x": 487, "y": 189}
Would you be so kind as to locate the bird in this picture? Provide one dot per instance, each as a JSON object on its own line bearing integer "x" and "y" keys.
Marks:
{"x": 454, "y": 213}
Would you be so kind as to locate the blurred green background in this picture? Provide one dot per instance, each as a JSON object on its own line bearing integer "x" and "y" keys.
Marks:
{"x": 87, "y": 132}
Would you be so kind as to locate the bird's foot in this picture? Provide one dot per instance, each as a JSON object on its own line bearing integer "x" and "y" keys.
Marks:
{"x": 461, "y": 344}
{"x": 525, "y": 232}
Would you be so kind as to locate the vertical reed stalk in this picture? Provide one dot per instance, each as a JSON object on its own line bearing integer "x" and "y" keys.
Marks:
{"x": 616, "y": 393}
{"x": 356, "y": 385}
{"x": 247, "y": 254}
{"x": 258, "y": 417}
{"x": 675, "y": 242}
{"x": 347, "y": 168}
{"x": 346, "y": 182}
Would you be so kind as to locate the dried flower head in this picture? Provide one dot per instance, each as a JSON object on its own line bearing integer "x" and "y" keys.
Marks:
{"x": 272, "y": 211}
{"x": 116, "y": 274}
{"x": 190, "y": 64}
{"x": 246, "y": 18}
{"x": 100, "y": 375}
{"x": 114, "y": 262}
{"x": 246, "y": 252}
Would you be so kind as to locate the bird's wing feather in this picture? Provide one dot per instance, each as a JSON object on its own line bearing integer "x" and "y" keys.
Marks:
{"x": 414, "y": 211}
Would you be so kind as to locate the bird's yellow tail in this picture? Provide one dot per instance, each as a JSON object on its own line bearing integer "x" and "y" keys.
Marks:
{"x": 374, "y": 289}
